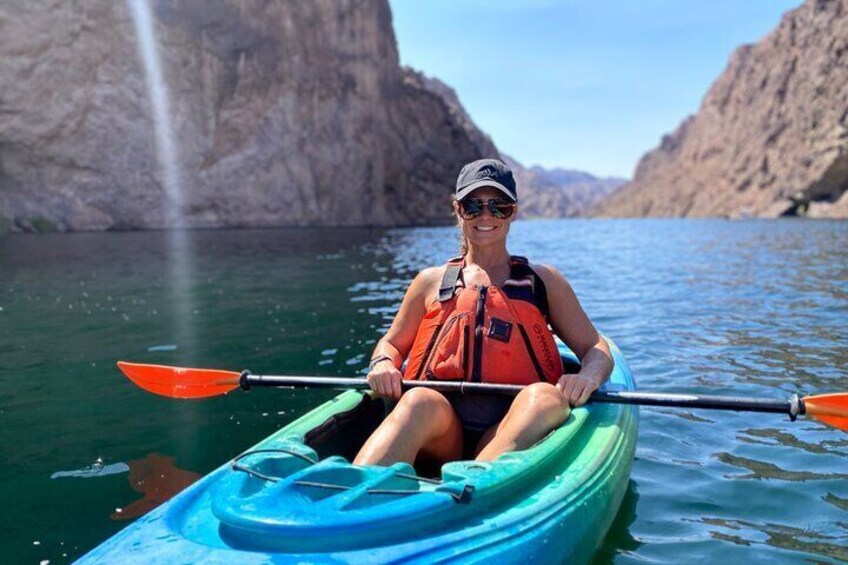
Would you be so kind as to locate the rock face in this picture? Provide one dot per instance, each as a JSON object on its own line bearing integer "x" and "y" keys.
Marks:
{"x": 771, "y": 137}
{"x": 482, "y": 142}
{"x": 285, "y": 113}
{"x": 559, "y": 193}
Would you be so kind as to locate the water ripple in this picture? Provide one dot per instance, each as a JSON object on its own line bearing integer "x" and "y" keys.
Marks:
{"x": 807, "y": 540}
{"x": 765, "y": 470}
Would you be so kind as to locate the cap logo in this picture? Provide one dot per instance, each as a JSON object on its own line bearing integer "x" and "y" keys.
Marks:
{"x": 487, "y": 173}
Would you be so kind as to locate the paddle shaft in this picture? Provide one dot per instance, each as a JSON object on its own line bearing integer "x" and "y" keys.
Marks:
{"x": 793, "y": 407}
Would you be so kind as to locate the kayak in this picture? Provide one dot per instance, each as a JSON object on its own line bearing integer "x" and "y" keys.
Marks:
{"x": 296, "y": 498}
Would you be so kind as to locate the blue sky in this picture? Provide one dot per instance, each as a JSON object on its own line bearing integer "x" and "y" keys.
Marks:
{"x": 589, "y": 85}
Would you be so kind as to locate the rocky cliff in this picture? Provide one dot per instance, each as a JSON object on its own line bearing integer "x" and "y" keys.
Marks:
{"x": 771, "y": 137}
{"x": 285, "y": 113}
{"x": 482, "y": 142}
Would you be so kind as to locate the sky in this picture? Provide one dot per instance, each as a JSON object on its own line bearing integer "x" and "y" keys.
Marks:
{"x": 579, "y": 84}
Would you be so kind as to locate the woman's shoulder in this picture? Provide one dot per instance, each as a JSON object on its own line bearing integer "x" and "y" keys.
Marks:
{"x": 427, "y": 280}
{"x": 430, "y": 274}
{"x": 549, "y": 274}
{"x": 544, "y": 270}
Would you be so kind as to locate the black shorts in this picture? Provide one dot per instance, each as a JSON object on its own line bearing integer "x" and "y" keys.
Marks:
{"x": 479, "y": 412}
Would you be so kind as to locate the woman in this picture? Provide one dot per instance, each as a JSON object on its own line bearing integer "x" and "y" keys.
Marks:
{"x": 484, "y": 317}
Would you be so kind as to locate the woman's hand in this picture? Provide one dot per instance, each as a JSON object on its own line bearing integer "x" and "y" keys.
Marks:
{"x": 385, "y": 379}
{"x": 576, "y": 388}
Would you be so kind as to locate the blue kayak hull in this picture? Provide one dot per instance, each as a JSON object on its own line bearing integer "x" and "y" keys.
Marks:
{"x": 552, "y": 503}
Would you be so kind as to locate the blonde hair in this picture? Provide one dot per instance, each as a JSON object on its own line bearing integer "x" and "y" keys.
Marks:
{"x": 463, "y": 241}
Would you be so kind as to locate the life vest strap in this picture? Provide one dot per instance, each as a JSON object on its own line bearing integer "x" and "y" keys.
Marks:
{"x": 517, "y": 288}
{"x": 453, "y": 272}
{"x": 523, "y": 283}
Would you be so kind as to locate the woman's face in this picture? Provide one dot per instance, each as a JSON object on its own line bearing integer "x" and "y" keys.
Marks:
{"x": 485, "y": 229}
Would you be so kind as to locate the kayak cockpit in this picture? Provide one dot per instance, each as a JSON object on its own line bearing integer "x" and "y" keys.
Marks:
{"x": 298, "y": 490}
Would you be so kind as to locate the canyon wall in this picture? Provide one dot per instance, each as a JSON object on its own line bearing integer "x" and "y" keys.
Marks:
{"x": 285, "y": 113}
{"x": 771, "y": 137}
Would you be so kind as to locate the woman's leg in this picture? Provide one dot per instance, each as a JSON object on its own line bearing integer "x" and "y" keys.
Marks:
{"x": 536, "y": 410}
{"x": 423, "y": 422}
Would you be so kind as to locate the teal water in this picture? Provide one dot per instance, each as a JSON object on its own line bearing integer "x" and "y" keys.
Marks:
{"x": 745, "y": 308}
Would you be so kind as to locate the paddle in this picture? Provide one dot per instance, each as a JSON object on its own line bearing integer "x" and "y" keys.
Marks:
{"x": 178, "y": 382}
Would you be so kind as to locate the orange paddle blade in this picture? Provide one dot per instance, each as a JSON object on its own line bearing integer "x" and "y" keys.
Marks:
{"x": 832, "y": 409}
{"x": 179, "y": 382}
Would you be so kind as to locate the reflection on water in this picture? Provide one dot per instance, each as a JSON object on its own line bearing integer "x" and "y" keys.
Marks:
{"x": 748, "y": 308}
{"x": 779, "y": 437}
{"x": 836, "y": 501}
{"x": 157, "y": 479}
{"x": 620, "y": 540}
{"x": 766, "y": 470}
{"x": 803, "y": 540}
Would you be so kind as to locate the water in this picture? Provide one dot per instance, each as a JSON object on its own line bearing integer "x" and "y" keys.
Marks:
{"x": 746, "y": 308}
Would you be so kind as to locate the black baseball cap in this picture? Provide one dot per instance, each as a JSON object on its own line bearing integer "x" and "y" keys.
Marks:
{"x": 486, "y": 172}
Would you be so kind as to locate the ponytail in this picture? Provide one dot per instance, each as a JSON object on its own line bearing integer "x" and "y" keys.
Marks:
{"x": 463, "y": 241}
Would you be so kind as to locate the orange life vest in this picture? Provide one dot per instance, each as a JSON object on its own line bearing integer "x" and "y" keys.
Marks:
{"x": 485, "y": 333}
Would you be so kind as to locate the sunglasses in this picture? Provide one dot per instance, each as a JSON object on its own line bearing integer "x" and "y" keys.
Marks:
{"x": 500, "y": 208}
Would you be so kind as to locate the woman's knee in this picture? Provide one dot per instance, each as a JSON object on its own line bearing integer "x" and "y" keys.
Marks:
{"x": 421, "y": 422}
{"x": 420, "y": 401}
{"x": 543, "y": 398}
{"x": 434, "y": 421}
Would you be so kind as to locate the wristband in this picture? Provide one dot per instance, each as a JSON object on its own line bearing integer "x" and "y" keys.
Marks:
{"x": 378, "y": 359}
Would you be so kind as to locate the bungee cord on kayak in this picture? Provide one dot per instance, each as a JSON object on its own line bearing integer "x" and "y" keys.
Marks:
{"x": 464, "y": 494}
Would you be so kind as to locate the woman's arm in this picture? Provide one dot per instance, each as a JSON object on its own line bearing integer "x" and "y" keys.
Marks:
{"x": 385, "y": 376}
{"x": 573, "y": 326}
